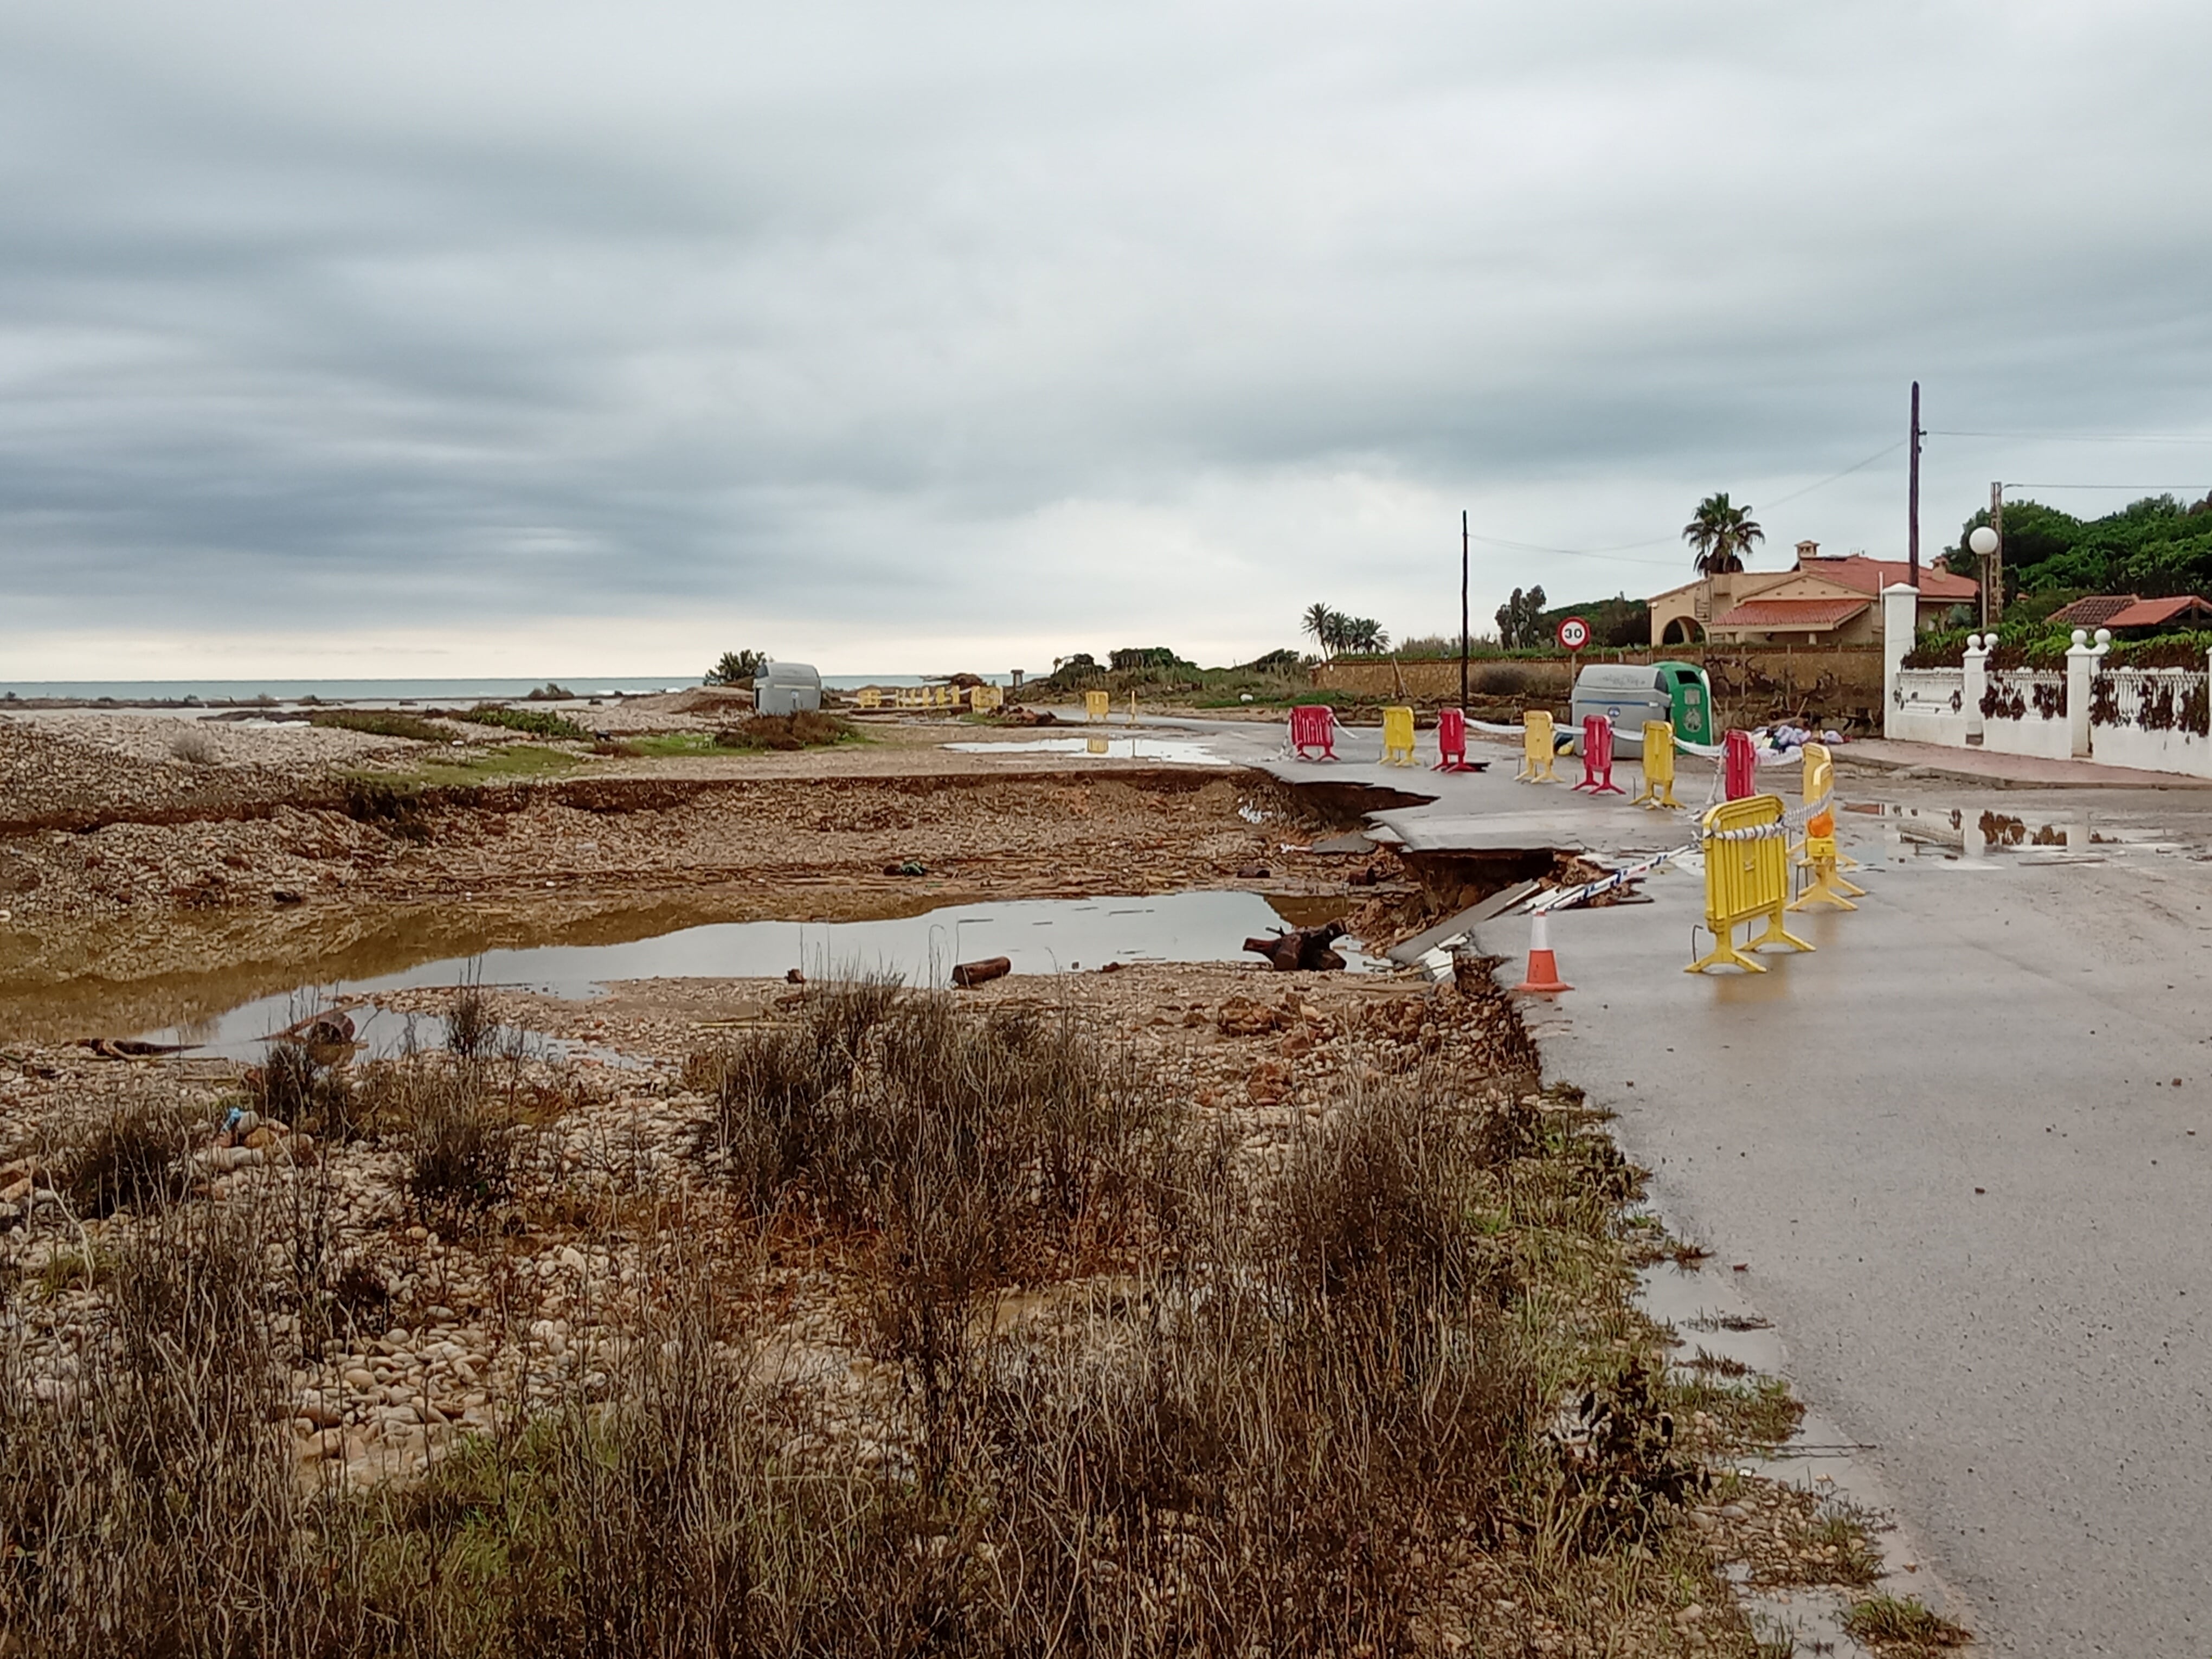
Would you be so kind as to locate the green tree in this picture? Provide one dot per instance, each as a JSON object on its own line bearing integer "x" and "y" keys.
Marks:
{"x": 1521, "y": 620}
{"x": 738, "y": 668}
{"x": 1720, "y": 534}
{"x": 1325, "y": 625}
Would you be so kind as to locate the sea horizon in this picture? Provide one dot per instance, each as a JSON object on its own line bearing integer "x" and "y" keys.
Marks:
{"x": 286, "y": 690}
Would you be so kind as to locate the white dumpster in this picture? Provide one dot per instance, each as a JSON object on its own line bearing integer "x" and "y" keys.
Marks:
{"x": 785, "y": 688}
{"x": 1627, "y": 694}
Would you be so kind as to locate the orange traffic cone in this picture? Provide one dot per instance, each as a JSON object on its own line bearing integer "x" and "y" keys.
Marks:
{"x": 1543, "y": 970}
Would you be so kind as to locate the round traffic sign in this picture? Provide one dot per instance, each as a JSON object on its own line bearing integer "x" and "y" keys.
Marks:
{"x": 1574, "y": 632}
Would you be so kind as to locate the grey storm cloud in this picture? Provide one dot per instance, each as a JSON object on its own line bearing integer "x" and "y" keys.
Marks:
{"x": 859, "y": 310}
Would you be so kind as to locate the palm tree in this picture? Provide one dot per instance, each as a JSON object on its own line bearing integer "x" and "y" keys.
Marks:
{"x": 1720, "y": 534}
{"x": 1320, "y": 621}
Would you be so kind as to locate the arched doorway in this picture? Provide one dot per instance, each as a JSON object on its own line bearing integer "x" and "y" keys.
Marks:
{"x": 1682, "y": 630}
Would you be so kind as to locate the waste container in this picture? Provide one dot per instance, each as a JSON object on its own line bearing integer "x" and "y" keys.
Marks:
{"x": 1629, "y": 694}
{"x": 785, "y": 688}
{"x": 1690, "y": 694}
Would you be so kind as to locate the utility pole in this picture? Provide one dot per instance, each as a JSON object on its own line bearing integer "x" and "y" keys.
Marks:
{"x": 1996, "y": 559}
{"x": 1912, "y": 499}
{"x": 1462, "y": 609}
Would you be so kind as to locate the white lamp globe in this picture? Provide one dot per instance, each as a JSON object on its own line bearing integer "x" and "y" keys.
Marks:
{"x": 1984, "y": 541}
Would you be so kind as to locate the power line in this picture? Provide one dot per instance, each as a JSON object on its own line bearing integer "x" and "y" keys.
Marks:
{"x": 2192, "y": 484}
{"x": 2081, "y": 437}
{"x": 1607, "y": 553}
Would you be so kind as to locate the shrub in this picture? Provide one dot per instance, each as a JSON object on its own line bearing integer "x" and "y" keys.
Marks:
{"x": 460, "y": 1148}
{"x": 538, "y": 722}
{"x": 381, "y": 723}
{"x": 132, "y": 1157}
{"x": 194, "y": 747}
{"x": 807, "y": 729}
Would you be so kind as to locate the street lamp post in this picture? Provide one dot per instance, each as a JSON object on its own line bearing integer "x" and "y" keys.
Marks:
{"x": 1983, "y": 544}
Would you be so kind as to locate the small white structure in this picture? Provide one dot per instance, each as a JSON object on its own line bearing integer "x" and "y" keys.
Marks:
{"x": 786, "y": 687}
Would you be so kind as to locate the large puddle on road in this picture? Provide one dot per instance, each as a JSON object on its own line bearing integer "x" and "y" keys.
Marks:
{"x": 1179, "y": 751}
{"x": 1038, "y": 936}
{"x": 1980, "y": 837}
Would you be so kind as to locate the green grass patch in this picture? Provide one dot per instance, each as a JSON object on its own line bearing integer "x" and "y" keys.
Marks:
{"x": 381, "y": 723}
{"x": 1762, "y": 1414}
{"x": 1900, "y": 1627}
{"x": 537, "y": 722}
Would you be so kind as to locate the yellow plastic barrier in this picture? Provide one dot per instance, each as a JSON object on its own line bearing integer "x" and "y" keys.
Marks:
{"x": 1132, "y": 709}
{"x": 1817, "y": 851}
{"x": 1096, "y": 705}
{"x": 985, "y": 698}
{"x": 1538, "y": 751}
{"x": 868, "y": 697}
{"x": 1746, "y": 877}
{"x": 1397, "y": 737}
{"x": 1658, "y": 766}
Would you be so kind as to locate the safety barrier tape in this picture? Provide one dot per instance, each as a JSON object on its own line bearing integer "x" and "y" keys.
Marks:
{"x": 1563, "y": 898}
{"x": 1775, "y": 831}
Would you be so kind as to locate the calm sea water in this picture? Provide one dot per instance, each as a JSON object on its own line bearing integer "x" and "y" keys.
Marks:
{"x": 449, "y": 691}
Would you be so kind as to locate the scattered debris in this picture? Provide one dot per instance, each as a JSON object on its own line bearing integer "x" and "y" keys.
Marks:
{"x": 984, "y": 972}
{"x": 1302, "y": 949}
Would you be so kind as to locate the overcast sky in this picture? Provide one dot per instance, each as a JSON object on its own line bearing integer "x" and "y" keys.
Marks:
{"x": 507, "y": 338}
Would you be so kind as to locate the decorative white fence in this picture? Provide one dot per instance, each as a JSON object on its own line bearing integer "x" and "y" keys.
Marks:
{"x": 2024, "y": 713}
{"x": 2152, "y": 718}
{"x": 1930, "y": 705}
{"x": 2155, "y": 719}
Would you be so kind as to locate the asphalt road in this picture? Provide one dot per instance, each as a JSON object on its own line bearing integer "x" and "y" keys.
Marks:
{"x": 1965, "y": 1149}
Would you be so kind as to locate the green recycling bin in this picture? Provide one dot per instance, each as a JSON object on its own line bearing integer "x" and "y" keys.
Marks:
{"x": 1690, "y": 697}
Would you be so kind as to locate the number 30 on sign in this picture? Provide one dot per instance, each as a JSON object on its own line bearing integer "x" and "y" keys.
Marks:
{"x": 1574, "y": 632}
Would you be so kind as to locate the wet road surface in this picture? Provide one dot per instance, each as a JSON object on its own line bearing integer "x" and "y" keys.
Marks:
{"x": 1965, "y": 1152}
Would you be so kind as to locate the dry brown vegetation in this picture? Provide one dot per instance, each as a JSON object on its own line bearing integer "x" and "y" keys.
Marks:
{"x": 938, "y": 1329}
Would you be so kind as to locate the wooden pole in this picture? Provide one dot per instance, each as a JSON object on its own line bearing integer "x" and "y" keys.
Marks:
{"x": 1462, "y": 609}
{"x": 1996, "y": 559}
{"x": 1912, "y": 502}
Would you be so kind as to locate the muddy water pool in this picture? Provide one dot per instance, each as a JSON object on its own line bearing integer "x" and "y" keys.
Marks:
{"x": 1038, "y": 936}
{"x": 1179, "y": 751}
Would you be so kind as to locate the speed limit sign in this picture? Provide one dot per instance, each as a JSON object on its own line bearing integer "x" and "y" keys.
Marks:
{"x": 1574, "y": 632}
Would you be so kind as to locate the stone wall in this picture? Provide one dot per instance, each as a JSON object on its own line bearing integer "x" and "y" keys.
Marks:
{"x": 1751, "y": 683}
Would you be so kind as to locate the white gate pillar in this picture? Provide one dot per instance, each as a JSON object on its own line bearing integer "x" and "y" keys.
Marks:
{"x": 1900, "y": 622}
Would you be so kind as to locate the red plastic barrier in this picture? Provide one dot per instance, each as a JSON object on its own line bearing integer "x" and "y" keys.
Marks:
{"x": 1312, "y": 726}
{"x": 1739, "y": 766}
{"x": 1451, "y": 741}
{"x": 1597, "y": 757}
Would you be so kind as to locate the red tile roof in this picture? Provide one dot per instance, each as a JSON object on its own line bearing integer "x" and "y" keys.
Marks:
{"x": 1811, "y": 616}
{"x": 2092, "y": 610}
{"x": 1872, "y": 575}
{"x": 2149, "y": 613}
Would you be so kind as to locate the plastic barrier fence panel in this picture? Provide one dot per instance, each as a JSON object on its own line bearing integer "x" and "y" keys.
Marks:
{"x": 1739, "y": 766}
{"x": 1096, "y": 705}
{"x": 1817, "y": 851}
{"x": 1597, "y": 757}
{"x": 1538, "y": 751}
{"x": 984, "y": 698}
{"x": 1451, "y": 741}
{"x": 1658, "y": 766}
{"x": 1747, "y": 849}
{"x": 1312, "y": 726}
{"x": 1397, "y": 737}
{"x": 868, "y": 697}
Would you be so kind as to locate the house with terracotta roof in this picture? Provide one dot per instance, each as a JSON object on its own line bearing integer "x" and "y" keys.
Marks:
{"x": 2092, "y": 611}
{"x": 1822, "y": 599}
{"x": 2120, "y": 611}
